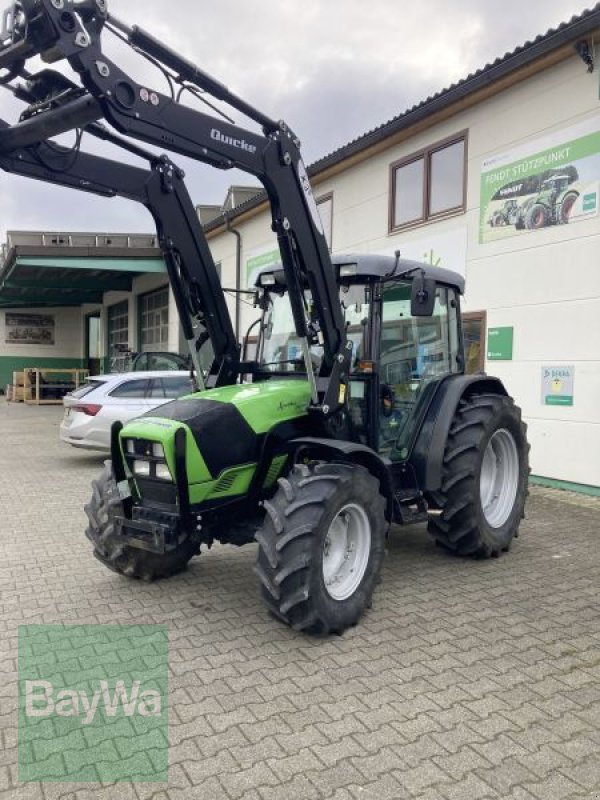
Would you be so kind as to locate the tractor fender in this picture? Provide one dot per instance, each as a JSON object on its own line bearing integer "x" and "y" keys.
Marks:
{"x": 336, "y": 449}
{"x": 428, "y": 451}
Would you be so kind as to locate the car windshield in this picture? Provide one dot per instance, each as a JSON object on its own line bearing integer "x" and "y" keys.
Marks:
{"x": 281, "y": 347}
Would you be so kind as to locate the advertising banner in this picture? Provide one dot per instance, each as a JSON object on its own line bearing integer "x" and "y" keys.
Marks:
{"x": 447, "y": 249}
{"x": 259, "y": 259}
{"x": 552, "y": 181}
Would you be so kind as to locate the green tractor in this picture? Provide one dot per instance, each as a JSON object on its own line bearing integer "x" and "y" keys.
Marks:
{"x": 355, "y": 415}
{"x": 553, "y": 204}
{"x": 416, "y": 440}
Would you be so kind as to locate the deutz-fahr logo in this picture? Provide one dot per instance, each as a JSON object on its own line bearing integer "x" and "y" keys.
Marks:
{"x": 241, "y": 144}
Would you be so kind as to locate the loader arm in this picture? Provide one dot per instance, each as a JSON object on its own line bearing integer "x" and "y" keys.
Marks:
{"x": 161, "y": 189}
{"x": 65, "y": 29}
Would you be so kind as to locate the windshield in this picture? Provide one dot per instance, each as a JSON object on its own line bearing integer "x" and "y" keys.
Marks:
{"x": 281, "y": 348}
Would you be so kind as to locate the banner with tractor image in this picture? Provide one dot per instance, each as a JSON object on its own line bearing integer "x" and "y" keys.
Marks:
{"x": 549, "y": 182}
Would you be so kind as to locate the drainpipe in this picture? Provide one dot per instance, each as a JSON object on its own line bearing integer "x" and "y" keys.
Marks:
{"x": 238, "y": 275}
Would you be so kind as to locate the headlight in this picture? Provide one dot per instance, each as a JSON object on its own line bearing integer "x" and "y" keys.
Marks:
{"x": 157, "y": 450}
{"x": 163, "y": 472}
{"x": 141, "y": 468}
{"x": 348, "y": 270}
{"x": 130, "y": 446}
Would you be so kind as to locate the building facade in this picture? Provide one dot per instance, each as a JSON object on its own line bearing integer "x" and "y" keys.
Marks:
{"x": 497, "y": 178}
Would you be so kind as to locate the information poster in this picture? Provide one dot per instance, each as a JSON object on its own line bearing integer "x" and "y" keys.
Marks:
{"x": 500, "y": 344}
{"x": 558, "y": 386}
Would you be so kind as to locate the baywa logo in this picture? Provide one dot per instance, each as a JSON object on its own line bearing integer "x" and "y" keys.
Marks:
{"x": 93, "y": 703}
{"x": 42, "y": 700}
{"x": 241, "y": 144}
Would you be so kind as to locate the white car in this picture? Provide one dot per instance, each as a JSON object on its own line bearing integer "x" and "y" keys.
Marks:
{"x": 91, "y": 410}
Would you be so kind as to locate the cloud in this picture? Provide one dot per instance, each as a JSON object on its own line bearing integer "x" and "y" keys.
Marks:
{"x": 332, "y": 68}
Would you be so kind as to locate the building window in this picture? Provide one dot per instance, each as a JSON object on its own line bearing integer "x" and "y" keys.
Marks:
{"x": 154, "y": 321}
{"x": 325, "y": 206}
{"x": 474, "y": 327}
{"x": 118, "y": 335}
{"x": 429, "y": 184}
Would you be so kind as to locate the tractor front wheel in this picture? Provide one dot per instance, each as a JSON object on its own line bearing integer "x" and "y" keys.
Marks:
{"x": 537, "y": 217}
{"x": 321, "y": 546}
{"x": 105, "y": 505}
{"x": 484, "y": 478}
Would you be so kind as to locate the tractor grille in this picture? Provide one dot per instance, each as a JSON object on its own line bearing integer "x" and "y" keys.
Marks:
{"x": 225, "y": 483}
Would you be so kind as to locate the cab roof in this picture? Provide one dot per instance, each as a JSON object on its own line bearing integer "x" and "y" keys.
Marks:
{"x": 370, "y": 265}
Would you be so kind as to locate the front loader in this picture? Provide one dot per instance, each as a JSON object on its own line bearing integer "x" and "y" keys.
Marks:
{"x": 358, "y": 413}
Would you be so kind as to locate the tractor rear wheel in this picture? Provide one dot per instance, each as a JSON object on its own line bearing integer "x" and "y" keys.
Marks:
{"x": 484, "y": 478}
{"x": 566, "y": 207}
{"x": 105, "y": 505}
{"x": 321, "y": 546}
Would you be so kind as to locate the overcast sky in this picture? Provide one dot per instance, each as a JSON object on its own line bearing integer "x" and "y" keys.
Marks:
{"x": 333, "y": 69}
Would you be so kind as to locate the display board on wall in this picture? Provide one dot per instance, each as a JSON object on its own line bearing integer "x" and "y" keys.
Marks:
{"x": 29, "y": 329}
{"x": 551, "y": 181}
{"x": 558, "y": 385}
{"x": 500, "y": 344}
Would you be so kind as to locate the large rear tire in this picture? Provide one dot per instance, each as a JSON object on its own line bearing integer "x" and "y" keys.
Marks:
{"x": 484, "y": 478}
{"x": 105, "y": 505}
{"x": 321, "y": 546}
{"x": 566, "y": 207}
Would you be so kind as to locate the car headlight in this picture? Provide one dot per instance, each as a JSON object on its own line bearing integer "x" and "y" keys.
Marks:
{"x": 141, "y": 468}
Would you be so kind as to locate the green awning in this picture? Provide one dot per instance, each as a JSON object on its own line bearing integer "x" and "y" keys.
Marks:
{"x": 28, "y": 281}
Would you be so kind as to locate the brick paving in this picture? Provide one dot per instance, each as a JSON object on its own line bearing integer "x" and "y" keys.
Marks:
{"x": 467, "y": 680}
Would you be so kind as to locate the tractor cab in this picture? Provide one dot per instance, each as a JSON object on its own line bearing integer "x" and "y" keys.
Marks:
{"x": 399, "y": 353}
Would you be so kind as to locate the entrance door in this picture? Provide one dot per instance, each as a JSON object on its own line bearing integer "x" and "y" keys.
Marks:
{"x": 474, "y": 326}
{"x": 93, "y": 341}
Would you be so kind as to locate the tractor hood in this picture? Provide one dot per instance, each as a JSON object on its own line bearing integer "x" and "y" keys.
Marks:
{"x": 224, "y": 427}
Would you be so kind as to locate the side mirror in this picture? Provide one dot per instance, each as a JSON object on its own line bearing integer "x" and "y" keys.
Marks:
{"x": 422, "y": 298}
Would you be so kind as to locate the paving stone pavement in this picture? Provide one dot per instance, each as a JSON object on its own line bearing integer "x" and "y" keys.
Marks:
{"x": 467, "y": 680}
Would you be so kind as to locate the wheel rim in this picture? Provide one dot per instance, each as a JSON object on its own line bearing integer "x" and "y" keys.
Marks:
{"x": 346, "y": 551}
{"x": 499, "y": 480}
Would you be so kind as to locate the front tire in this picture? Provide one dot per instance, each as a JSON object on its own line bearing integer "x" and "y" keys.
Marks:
{"x": 484, "y": 478}
{"x": 105, "y": 505}
{"x": 321, "y": 546}
{"x": 537, "y": 217}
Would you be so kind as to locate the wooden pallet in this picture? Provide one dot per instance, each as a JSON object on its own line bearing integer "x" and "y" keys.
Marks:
{"x": 17, "y": 394}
